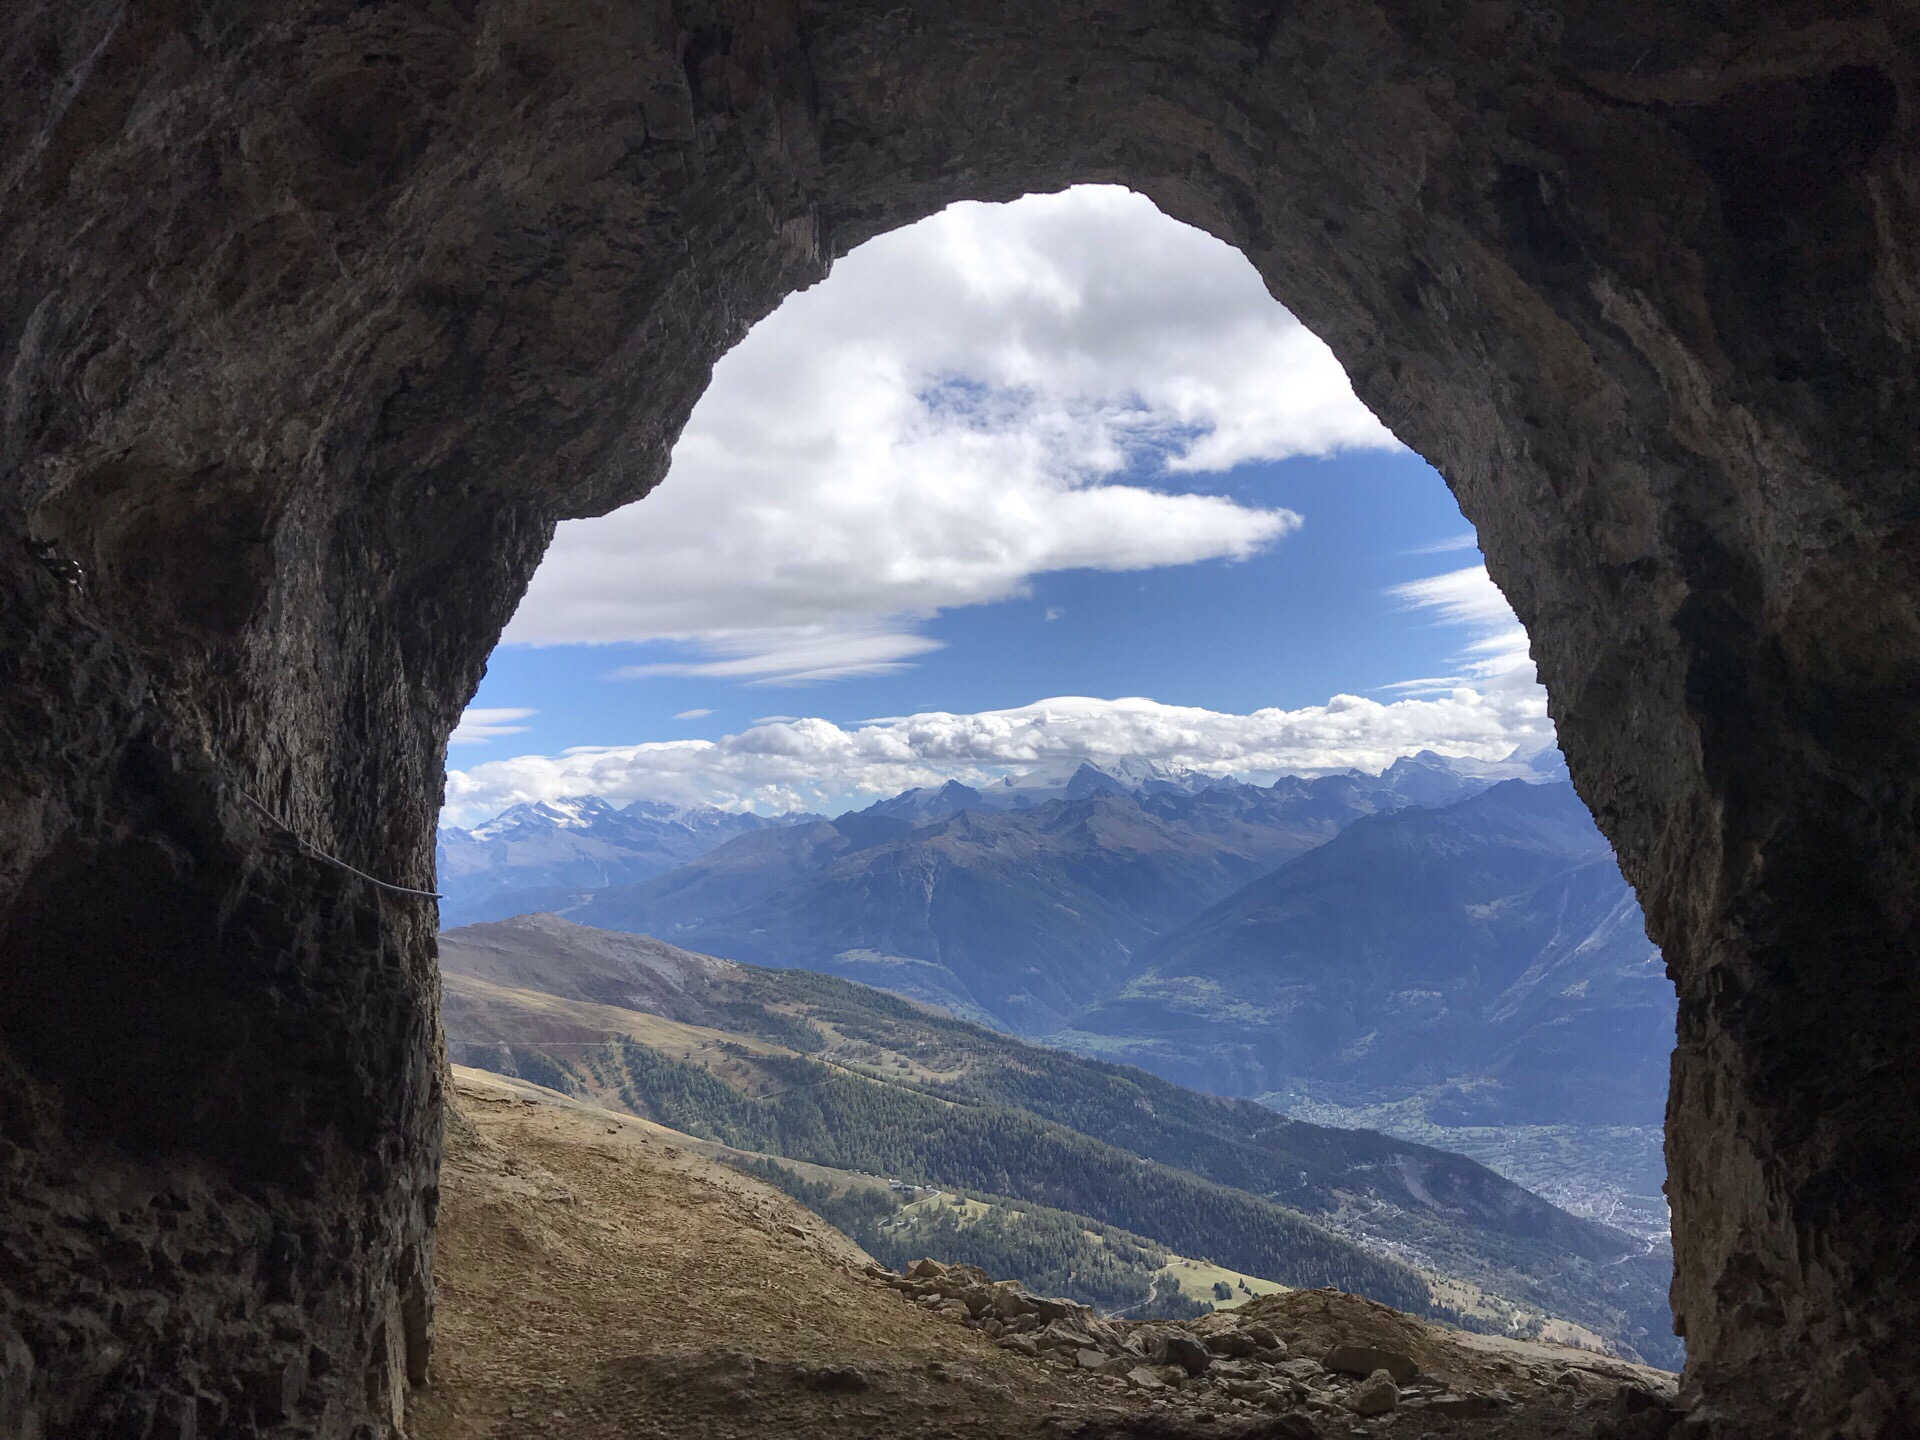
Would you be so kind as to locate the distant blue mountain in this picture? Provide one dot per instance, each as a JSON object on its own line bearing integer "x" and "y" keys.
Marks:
{"x": 1485, "y": 953}
{"x": 543, "y": 855}
{"x": 1008, "y": 910}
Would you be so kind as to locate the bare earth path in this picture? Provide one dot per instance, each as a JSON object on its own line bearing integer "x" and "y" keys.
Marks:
{"x": 602, "y": 1279}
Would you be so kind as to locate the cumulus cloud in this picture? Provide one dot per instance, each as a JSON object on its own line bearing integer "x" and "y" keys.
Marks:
{"x": 995, "y": 393}
{"x": 785, "y": 763}
{"x": 477, "y": 726}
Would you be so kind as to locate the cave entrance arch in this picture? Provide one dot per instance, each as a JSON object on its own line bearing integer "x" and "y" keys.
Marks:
{"x": 320, "y": 320}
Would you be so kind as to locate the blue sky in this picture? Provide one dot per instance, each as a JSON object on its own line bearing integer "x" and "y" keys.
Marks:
{"x": 1064, "y": 450}
{"x": 1313, "y": 616}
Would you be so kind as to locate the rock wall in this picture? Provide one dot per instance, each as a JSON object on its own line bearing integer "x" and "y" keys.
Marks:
{"x": 320, "y": 316}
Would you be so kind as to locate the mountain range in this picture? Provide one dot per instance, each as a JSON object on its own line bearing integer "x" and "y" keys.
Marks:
{"x": 1433, "y": 930}
{"x": 1485, "y": 953}
{"x": 1015, "y": 904}
{"x": 539, "y": 854}
{"x": 1445, "y": 952}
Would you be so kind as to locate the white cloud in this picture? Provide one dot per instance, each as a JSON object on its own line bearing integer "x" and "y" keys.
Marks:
{"x": 992, "y": 394}
{"x": 783, "y": 763}
{"x": 693, "y": 715}
{"x": 800, "y": 656}
{"x": 1447, "y": 546}
{"x": 1496, "y": 655}
{"x": 476, "y": 727}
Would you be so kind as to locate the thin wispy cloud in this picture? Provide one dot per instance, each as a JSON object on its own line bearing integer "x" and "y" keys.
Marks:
{"x": 477, "y": 726}
{"x": 693, "y": 714}
{"x": 1495, "y": 651}
{"x": 1448, "y": 546}
{"x": 794, "y": 657}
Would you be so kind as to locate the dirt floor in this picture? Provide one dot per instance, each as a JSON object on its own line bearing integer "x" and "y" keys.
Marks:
{"x": 602, "y": 1277}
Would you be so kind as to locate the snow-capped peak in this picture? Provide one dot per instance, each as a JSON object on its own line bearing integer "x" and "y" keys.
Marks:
{"x": 569, "y": 812}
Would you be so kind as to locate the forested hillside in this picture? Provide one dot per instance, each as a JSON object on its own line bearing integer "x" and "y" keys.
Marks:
{"x": 819, "y": 1069}
{"x": 1051, "y": 1252}
{"x": 829, "y": 1116}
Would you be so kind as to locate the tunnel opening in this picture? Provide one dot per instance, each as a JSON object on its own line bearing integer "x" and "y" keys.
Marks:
{"x": 785, "y": 842}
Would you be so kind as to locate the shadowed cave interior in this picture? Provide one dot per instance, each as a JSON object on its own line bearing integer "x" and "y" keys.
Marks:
{"x": 321, "y": 317}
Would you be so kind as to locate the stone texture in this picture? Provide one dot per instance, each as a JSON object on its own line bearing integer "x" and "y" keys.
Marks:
{"x": 320, "y": 316}
{"x": 1376, "y": 1395}
{"x": 1177, "y": 1347}
{"x": 1365, "y": 1360}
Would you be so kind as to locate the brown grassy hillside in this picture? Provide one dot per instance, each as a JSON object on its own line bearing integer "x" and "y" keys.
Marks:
{"x": 603, "y": 1277}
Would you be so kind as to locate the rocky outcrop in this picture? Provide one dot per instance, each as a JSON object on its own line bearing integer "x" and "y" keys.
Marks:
{"x": 320, "y": 317}
{"x": 1304, "y": 1359}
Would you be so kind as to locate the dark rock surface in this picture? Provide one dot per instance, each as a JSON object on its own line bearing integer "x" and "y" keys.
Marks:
{"x": 319, "y": 317}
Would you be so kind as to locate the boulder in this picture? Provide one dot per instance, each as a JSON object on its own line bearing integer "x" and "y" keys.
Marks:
{"x": 1050, "y": 1309}
{"x": 1365, "y": 1359}
{"x": 1010, "y": 1301}
{"x": 1376, "y": 1395}
{"x": 1177, "y": 1347}
{"x": 1233, "y": 1343}
{"x": 1065, "y": 1332}
{"x": 1266, "y": 1337}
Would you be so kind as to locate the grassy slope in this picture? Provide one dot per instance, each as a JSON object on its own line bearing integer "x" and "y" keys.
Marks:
{"x": 894, "y": 1088}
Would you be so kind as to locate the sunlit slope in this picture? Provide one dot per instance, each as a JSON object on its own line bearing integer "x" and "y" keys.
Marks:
{"x": 770, "y": 1099}
{"x": 795, "y": 1063}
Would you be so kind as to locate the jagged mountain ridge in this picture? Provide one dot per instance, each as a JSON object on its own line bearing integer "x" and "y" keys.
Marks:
{"x": 1432, "y": 931}
{"x": 538, "y": 854}
{"x": 1488, "y": 949}
{"x": 1016, "y": 916}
